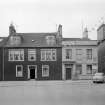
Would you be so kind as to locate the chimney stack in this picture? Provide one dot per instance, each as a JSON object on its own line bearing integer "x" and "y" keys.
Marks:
{"x": 12, "y": 30}
{"x": 85, "y": 33}
{"x": 60, "y": 30}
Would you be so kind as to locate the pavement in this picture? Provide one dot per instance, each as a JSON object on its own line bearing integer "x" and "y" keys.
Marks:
{"x": 42, "y": 83}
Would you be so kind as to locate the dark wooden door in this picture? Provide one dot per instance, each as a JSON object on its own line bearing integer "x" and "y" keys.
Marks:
{"x": 32, "y": 73}
{"x": 68, "y": 73}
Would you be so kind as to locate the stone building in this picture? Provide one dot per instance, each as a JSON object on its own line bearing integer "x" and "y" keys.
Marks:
{"x": 79, "y": 57}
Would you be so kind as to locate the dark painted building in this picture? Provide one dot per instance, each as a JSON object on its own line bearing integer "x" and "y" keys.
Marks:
{"x": 101, "y": 48}
{"x": 32, "y": 56}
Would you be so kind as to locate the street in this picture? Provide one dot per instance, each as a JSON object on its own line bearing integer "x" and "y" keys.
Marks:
{"x": 82, "y": 92}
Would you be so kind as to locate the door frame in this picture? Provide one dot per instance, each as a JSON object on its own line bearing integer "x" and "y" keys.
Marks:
{"x": 35, "y": 71}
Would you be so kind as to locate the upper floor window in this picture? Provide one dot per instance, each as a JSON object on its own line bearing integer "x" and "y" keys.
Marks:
{"x": 79, "y": 69}
{"x": 48, "y": 54}
{"x": 79, "y": 53}
{"x": 16, "y": 54}
{"x": 68, "y": 53}
{"x": 32, "y": 54}
{"x": 89, "y": 53}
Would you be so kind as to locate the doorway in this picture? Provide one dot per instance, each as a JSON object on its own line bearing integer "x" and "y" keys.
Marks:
{"x": 68, "y": 73}
{"x": 32, "y": 71}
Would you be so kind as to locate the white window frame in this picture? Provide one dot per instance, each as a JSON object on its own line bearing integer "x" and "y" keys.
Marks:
{"x": 31, "y": 52}
{"x": 45, "y": 75}
{"x": 14, "y": 52}
{"x": 44, "y": 55}
{"x": 17, "y": 70}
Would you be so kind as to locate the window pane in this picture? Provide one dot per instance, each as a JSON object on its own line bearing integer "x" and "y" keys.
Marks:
{"x": 68, "y": 53}
{"x": 89, "y": 53}
{"x": 79, "y": 69}
{"x": 16, "y": 54}
{"x": 89, "y": 69}
{"x": 45, "y": 71}
{"x": 54, "y": 55}
{"x": 19, "y": 71}
{"x": 79, "y": 54}
{"x": 48, "y": 54}
{"x": 43, "y": 55}
{"x": 31, "y": 54}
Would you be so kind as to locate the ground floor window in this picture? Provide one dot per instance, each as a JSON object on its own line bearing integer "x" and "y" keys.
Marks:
{"x": 79, "y": 69}
{"x": 45, "y": 70}
{"x": 19, "y": 70}
{"x": 89, "y": 69}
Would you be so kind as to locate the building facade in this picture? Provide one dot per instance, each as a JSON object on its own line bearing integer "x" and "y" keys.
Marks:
{"x": 29, "y": 56}
{"x": 79, "y": 57}
{"x": 47, "y": 56}
{"x": 101, "y": 48}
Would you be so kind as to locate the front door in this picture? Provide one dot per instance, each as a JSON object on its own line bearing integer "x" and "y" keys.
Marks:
{"x": 32, "y": 72}
{"x": 68, "y": 73}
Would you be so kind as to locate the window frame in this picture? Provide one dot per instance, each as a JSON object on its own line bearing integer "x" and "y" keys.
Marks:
{"x": 45, "y": 52}
{"x": 89, "y": 54}
{"x": 30, "y": 54}
{"x": 17, "y": 70}
{"x": 78, "y": 54}
{"x": 69, "y": 52}
{"x": 88, "y": 70}
{"x": 14, "y": 52}
{"x": 79, "y": 71}
{"x": 45, "y": 75}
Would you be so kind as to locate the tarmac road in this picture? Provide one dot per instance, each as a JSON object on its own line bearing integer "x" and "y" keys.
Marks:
{"x": 52, "y": 93}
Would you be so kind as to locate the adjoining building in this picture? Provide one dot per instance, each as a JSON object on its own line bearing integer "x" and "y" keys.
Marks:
{"x": 79, "y": 57}
{"x": 101, "y": 48}
{"x": 28, "y": 56}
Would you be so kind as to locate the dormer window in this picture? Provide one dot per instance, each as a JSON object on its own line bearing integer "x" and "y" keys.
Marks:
{"x": 15, "y": 40}
{"x": 50, "y": 40}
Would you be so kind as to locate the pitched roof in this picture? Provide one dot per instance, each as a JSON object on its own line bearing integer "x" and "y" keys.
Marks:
{"x": 2, "y": 41}
{"x": 34, "y": 40}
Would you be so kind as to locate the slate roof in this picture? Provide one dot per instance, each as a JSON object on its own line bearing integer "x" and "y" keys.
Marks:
{"x": 2, "y": 41}
{"x": 34, "y": 40}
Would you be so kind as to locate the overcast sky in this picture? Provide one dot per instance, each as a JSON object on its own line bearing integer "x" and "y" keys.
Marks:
{"x": 46, "y": 15}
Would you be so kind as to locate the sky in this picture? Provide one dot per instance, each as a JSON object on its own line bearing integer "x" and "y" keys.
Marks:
{"x": 46, "y": 15}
